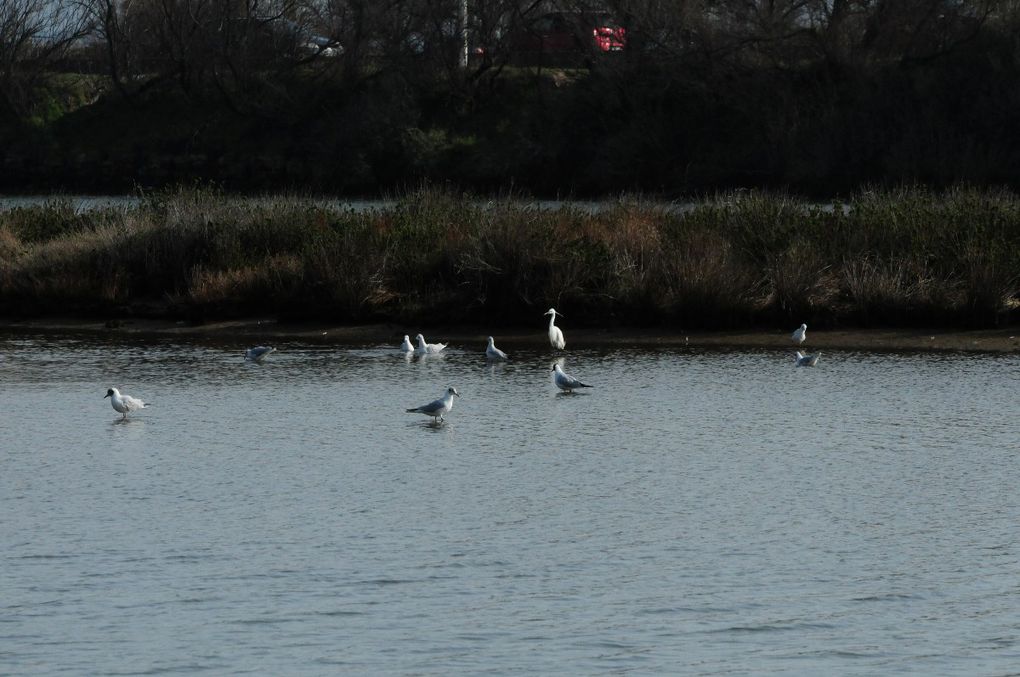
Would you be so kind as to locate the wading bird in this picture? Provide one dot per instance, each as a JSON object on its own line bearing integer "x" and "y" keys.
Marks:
{"x": 800, "y": 333}
{"x": 427, "y": 348}
{"x": 564, "y": 381}
{"x": 494, "y": 353}
{"x": 123, "y": 403}
{"x": 806, "y": 360}
{"x": 438, "y": 408}
{"x": 556, "y": 339}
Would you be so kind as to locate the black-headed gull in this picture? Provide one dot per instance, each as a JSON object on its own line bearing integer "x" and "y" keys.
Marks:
{"x": 123, "y": 404}
{"x": 494, "y": 353}
{"x": 427, "y": 348}
{"x": 556, "y": 339}
{"x": 438, "y": 408}
{"x": 565, "y": 381}
{"x": 799, "y": 334}
{"x": 258, "y": 353}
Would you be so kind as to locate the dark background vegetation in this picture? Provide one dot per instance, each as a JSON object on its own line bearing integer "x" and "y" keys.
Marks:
{"x": 819, "y": 97}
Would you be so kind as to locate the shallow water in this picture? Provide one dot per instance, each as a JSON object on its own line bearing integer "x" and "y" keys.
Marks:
{"x": 693, "y": 513}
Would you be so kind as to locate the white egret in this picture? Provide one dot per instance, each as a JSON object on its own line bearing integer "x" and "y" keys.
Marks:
{"x": 123, "y": 403}
{"x": 439, "y": 407}
{"x": 427, "y": 348}
{"x": 800, "y": 333}
{"x": 556, "y": 339}
{"x": 494, "y": 353}
{"x": 258, "y": 353}
{"x": 565, "y": 381}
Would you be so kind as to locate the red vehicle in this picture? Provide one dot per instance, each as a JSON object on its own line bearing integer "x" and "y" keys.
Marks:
{"x": 568, "y": 39}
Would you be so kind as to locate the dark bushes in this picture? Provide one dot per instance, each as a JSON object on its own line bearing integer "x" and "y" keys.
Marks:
{"x": 907, "y": 257}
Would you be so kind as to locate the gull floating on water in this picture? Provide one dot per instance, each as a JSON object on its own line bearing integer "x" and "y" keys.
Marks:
{"x": 123, "y": 403}
{"x": 258, "y": 353}
{"x": 556, "y": 339}
{"x": 494, "y": 353}
{"x": 427, "y": 348}
{"x": 800, "y": 333}
{"x": 406, "y": 346}
{"x": 806, "y": 360}
{"x": 439, "y": 407}
{"x": 565, "y": 381}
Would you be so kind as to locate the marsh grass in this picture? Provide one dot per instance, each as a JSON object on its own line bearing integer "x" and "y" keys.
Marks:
{"x": 905, "y": 257}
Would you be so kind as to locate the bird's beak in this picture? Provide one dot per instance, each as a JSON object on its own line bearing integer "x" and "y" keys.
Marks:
{"x": 106, "y": 395}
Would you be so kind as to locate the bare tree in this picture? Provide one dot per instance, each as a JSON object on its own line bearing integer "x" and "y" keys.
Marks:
{"x": 33, "y": 34}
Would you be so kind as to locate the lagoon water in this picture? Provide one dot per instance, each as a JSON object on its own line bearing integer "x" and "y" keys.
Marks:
{"x": 697, "y": 512}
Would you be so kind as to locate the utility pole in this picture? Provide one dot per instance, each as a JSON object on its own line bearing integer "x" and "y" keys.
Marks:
{"x": 464, "y": 47}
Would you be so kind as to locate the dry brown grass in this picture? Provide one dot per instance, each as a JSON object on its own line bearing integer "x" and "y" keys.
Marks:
{"x": 733, "y": 260}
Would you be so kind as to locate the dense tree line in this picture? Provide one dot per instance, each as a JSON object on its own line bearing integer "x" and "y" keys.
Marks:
{"x": 821, "y": 96}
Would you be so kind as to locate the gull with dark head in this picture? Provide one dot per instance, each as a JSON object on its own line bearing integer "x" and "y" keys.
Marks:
{"x": 258, "y": 353}
{"x": 438, "y": 408}
{"x": 427, "y": 348}
{"x": 494, "y": 353}
{"x": 123, "y": 404}
{"x": 565, "y": 381}
{"x": 556, "y": 339}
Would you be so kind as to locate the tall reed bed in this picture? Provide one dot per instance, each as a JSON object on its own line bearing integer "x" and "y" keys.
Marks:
{"x": 907, "y": 257}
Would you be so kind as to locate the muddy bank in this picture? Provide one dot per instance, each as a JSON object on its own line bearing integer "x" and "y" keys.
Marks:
{"x": 463, "y": 337}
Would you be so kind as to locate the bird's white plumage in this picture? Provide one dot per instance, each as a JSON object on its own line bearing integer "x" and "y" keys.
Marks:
{"x": 494, "y": 353}
{"x": 556, "y": 339}
{"x": 427, "y": 348}
{"x": 123, "y": 404}
{"x": 799, "y": 334}
{"x": 437, "y": 408}
{"x": 806, "y": 360}
{"x": 406, "y": 346}
{"x": 565, "y": 381}
{"x": 258, "y": 353}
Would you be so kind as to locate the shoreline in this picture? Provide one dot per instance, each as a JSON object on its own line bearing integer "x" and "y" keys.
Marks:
{"x": 1001, "y": 340}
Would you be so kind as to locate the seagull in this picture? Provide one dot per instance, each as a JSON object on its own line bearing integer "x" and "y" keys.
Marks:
{"x": 406, "y": 346}
{"x": 565, "y": 381}
{"x": 806, "y": 360}
{"x": 123, "y": 403}
{"x": 427, "y": 348}
{"x": 800, "y": 334}
{"x": 436, "y": 409}
{"x": 258, "y": 353}
{"x": 494, "y": 353}
{"x": 556, "y": 339}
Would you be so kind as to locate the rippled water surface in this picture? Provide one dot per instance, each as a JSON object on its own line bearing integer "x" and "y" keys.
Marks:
{"x": 693, "y": 513}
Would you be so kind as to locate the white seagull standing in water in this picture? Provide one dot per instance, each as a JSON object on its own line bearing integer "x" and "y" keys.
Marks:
{"x": 806, "y": 360}
{"x": 494, "y": 353}
{"x": 258, "y": 353}
{"x": 427, "y": 348}
{"x": 123, "y": 403}
{"x": 565, "y": 381}
{"x": 437, "y": 408}
{"x": 556, "y": 339}
{"x": 406, "y": 346}
{"x": 800, "y": 333}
